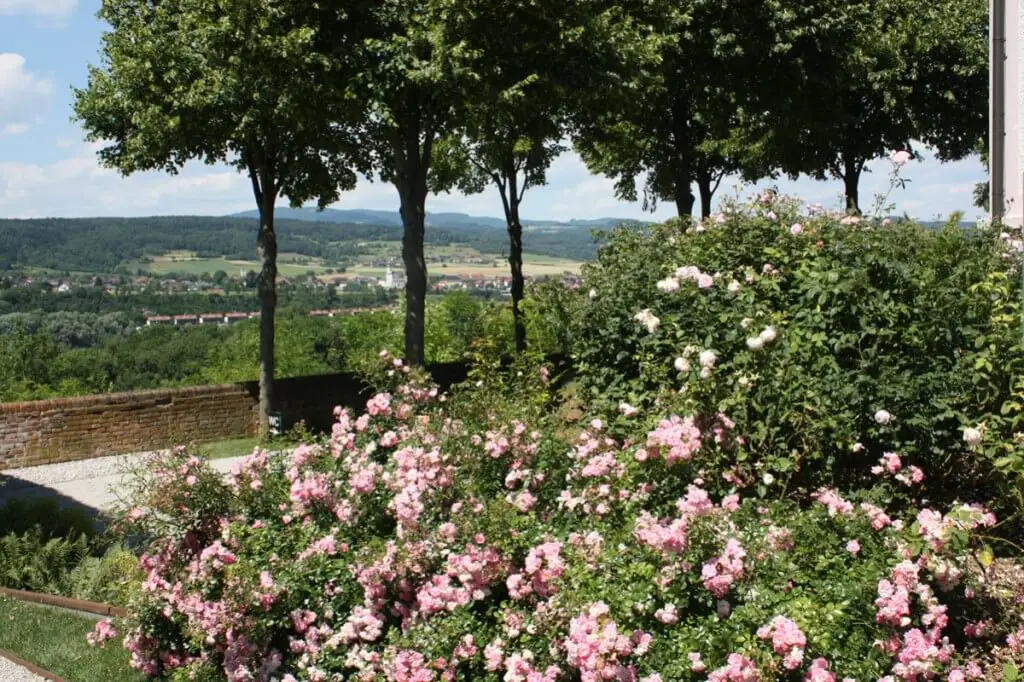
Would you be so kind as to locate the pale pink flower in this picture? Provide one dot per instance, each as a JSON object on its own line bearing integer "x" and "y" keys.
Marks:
{"x": 900, "y": 157}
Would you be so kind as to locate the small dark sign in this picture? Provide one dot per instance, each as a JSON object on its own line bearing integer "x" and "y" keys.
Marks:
{"x": 275, "y": 423}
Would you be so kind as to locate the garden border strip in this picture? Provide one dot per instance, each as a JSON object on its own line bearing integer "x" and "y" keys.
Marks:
{"x": 64, "y": 602}
{"x": 31, "y": 667}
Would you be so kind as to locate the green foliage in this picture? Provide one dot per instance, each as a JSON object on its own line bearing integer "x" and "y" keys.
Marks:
{"x": 687, "y": 72}
{"x": 550, "y": 310}
{"x": 866, "y": 77}
{"x": 913, "y": 321}
{"x": 34, "y": 366}
{"x": 55, "y": 550}
{"x": 304, "y": 346}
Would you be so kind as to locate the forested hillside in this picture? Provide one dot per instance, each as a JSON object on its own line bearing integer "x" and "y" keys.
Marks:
{"x": 104, "y": 244}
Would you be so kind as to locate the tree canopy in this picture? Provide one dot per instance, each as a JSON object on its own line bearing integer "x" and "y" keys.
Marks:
{"x": 864, "y": 78}
{"x": 243, "y": 82}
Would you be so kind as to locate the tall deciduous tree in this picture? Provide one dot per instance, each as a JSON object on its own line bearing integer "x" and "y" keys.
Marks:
{"x": 416, "y": 88}
{"x": 671, "y": 115}
{"x": 864, "y": 77}
{"x": 246, "y": 82}
{"x": 533, "y": 57}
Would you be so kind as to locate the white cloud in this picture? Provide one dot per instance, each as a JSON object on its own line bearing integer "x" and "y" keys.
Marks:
{"x": 14, "y": 129}
{"x": 23, "y": 95}
{"x": 46, "y": 8}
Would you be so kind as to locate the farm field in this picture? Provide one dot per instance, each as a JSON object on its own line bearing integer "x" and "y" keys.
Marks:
{"x": 187, "y": 263}
{"x": 462, "y": 260}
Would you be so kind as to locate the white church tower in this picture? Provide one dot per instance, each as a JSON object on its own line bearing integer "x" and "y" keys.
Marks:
{"x": 392, "y": 279}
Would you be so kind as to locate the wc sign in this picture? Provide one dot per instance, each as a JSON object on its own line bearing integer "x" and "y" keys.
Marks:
{"x": 275, "y": 423}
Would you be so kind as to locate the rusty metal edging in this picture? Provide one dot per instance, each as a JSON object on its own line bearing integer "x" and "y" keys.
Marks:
{"x": 64, "y": 602}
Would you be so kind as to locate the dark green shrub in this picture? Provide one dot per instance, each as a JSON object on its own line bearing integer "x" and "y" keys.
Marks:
{"x": 21, "y": 514}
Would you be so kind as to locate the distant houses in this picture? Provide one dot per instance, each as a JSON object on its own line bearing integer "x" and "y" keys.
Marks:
{"x": 185, "y": 320}
{"x": 205, "y": 318}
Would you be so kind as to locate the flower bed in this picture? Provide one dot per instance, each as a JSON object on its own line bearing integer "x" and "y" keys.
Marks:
{"x": 432, "y": 539}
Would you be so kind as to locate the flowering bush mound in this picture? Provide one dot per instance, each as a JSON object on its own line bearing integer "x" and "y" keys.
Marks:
{"x": 446, "y": 538}
{"x": 829, "y": 340}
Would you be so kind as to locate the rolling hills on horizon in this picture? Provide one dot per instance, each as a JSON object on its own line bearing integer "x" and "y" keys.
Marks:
{"x": 448, "y": 220}
{"x": 335, "y": 238}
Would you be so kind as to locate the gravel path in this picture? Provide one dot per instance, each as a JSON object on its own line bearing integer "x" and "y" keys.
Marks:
{"x": 93, "y": 483}
{"x": 12, "y": 672}
{"x": 83, "y": 469}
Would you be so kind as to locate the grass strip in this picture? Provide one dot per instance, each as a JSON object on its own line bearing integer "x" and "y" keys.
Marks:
{"x": 54, "y": 639}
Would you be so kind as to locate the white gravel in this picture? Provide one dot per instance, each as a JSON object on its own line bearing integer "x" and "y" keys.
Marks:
{"x": 12, "y": 672}
{"x": 97, "y": 483}
{"x": 81, "y": 470}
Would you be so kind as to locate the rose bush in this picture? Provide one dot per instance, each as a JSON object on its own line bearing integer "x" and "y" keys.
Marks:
{"x": 458, "y": 538}
{"x": 804, "y": 327}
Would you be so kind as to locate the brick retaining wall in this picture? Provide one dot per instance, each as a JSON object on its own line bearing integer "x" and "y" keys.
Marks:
{"x": 68, "y": 429}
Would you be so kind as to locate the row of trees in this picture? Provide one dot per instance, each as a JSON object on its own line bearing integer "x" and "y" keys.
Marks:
{"x": 65, "y": 354}
{"x": 440, "y": 94}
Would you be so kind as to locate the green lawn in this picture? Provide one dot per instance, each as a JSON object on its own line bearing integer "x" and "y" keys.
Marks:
{"x": 242, "y": 446}
{"x": 198, "y": 266}
{"x": 54, "y": 640}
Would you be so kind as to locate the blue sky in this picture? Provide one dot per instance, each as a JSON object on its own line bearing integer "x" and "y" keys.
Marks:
{"x": 46, "y": 168}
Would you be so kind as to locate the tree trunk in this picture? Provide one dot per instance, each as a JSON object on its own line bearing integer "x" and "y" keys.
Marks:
{"x": 515, "y": 260}
{"x": 507, "y": 180}
{"x": 707, "y": 191}
{"x": 413, "y": 210}
{"x": 852, "y": 168}
{"x": 266, "y": 245}
{"x": 684, "y": 198}
{"x": 683, "y": 162}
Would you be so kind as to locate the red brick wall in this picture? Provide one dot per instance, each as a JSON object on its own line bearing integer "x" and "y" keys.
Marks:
{"x": 68, "y": 429}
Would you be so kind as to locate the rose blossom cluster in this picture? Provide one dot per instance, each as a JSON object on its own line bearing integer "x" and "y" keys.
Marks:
{"x": 686, "y": 273}
{"x": 787, "y": 639}
{"x": 674, "y": 439}
{"x": 596, "y": 647}
{"x": 891, "y": 463}
{"x": 543, "y": 566}
{"x": 719, "y": 574}
{"x": 377, "y": 557}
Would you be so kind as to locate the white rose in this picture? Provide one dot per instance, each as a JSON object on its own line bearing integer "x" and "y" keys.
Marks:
{"x": 768, "y": 335}
{"x": 755, "y": 343}
{"x": 682, "y": 365}
{"x": 668, "y": 285}
{"x": 883, "y": 417}
{"x": 592, "y": 294}
{"x": 734, "y": 287}
{"x": 972, "y": 436}
{"x": 708, "y": 358}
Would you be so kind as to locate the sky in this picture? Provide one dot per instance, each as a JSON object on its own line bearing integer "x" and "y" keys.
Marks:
{"x": 47, "y": 169}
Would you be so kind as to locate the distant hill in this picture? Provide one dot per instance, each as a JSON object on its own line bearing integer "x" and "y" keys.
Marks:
{"x": 440, "y": 220}
{"x": 337, "y": 237}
